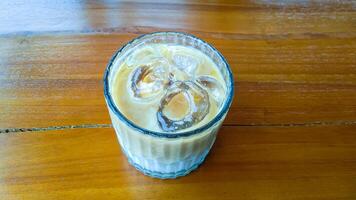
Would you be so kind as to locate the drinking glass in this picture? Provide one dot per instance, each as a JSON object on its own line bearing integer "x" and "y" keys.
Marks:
{"x": 166, "y": 154}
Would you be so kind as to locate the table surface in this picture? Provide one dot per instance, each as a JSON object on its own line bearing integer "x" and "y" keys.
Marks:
{"x": 290, "y": 133}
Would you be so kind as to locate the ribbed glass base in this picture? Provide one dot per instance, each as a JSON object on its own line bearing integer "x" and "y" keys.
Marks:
{"x": 165, "y": 171}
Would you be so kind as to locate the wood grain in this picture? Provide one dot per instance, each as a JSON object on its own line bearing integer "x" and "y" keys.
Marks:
{"x": 242, "y": 16}
{"x": 59, "y": 78}
{"x": 245, "y": 162}
{"x": 290, "y": 133}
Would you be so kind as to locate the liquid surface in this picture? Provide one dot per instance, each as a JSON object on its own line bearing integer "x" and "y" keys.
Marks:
{"x": 168, "y": 88}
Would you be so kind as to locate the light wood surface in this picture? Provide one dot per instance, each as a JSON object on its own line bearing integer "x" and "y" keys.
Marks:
{"x": 246, "y": 163}
{"x": 290, "y": 133}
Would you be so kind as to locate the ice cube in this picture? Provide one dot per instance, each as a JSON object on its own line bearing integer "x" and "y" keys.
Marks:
{"x": 184, "y": 105}
{"x": 185, "y": 62}
{"x": 143, "y": 56}
{"x": 149, "y": 80}
{"x": 176, "y": 74}
{"x": 214, "y": 88}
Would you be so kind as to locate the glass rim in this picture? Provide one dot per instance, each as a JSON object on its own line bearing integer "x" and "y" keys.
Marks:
{"x": 226, "y": 105}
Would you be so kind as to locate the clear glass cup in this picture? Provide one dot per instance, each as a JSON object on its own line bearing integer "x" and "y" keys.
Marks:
{"x": 161, "y": 154}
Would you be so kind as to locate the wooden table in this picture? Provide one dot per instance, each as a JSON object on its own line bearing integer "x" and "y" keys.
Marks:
{"x": 290, "y": 134}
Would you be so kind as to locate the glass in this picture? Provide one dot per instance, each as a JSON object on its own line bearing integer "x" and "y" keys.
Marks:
{"x": 161, "y": 154}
